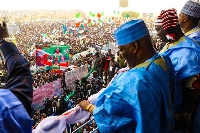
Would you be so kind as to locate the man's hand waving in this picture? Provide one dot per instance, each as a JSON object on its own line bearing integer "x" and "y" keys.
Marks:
{"x": 3, "y": 31}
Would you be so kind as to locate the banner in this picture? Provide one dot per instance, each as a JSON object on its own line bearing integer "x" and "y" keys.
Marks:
{"x": 53, "y": 57}
{"x": 46, "y": 91}
{"x": 72, "y": 75}
{"x": 54, "y": 88}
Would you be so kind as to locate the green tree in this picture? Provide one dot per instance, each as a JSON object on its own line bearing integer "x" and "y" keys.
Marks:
{"x": 131, "y": 14}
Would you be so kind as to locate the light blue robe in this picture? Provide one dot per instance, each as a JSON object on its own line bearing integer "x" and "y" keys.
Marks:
{"x": 194, "y": 34}
{"x": 185, "y": 56}
{"x": 139, "y": 100}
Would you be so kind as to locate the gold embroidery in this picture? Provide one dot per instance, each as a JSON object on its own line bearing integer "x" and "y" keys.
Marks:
{"x": 192, "y": 31}
{"x": 159, "y": 61}
{"x": 145, "y": 64}
{"x": 167, "y": 46}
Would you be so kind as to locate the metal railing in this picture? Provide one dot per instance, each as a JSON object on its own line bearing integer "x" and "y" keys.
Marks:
{"x": 85, "y": 124}
{"x": 96, "y": 129}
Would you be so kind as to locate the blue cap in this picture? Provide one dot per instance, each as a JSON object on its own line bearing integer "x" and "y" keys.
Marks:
{"x": 130, "y": 32}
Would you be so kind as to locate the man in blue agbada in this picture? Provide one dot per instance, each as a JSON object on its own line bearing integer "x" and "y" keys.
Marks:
{"x": 138, "y": 100}
{"x": 184, "y": 53}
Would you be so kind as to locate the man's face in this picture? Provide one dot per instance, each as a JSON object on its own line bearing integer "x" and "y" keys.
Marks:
{"x": 57, "y": 50}
{"x": 51, "y": 57}
{"x": 112, "y": 59}
{"x": 55, "y": 62}
{"x": 94, "y": 75}
{"x": 41, "y": 61}
{"x": 109, "y": 51}
{"x": 127, "y": 53}
{"x": 62, "y": 57}
{"x": 182, "y": 19}
{"x": 161, "y": 33}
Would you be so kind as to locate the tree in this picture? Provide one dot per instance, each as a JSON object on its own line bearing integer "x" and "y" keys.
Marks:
{"x": 131, "y": 14}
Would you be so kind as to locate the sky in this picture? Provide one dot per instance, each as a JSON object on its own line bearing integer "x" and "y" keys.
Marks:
{"x": 107, "y": 6}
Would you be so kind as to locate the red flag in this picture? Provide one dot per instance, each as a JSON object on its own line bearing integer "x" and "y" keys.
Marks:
{"x": 89, "y": 20}
{"x": 78, "y": 24}
{"x": 98, "y": 15}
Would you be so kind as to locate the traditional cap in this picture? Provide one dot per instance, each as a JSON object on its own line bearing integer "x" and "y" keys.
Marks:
{"x": 130, "y": 32}
{"x": 169, "y": 18}
{"x": 191, "y": 8}
{"x": 169, "y": 21}
{"x": 158, "y": 21}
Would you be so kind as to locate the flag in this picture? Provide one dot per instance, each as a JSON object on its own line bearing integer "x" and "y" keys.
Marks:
{"x": 64, "y": 27}
{"x": 98, "y": 15}
{"x": 82, "y": 26}
{"x": 89, "y": 20}
{"x": 91, "y": 24}
{"x": 100, "y": 22}
{"x": 92, "y": 14}
{"x": 69, "y": 96}
{"x": 127, "y": 15}
{"x": 77, "y": 29}
{"x": 78, "y": 24}
{"x": 78, "y": 15}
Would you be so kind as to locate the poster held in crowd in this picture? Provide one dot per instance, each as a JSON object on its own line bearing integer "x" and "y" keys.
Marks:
{"x": 74, "y": 74}
{"x": 53, "y": 57}
{"x": 48, "y": 90}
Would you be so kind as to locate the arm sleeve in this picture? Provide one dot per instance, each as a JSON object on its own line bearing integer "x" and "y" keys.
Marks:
{"x": 19, "y": 80}
{"x": 111, "y": 117}
{"x": 185, "y": 65}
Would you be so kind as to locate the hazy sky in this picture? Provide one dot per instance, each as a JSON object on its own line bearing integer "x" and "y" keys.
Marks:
{"x": 144, "y": 6}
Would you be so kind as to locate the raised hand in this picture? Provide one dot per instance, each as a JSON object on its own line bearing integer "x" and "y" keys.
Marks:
{"x": 3, "y": 31}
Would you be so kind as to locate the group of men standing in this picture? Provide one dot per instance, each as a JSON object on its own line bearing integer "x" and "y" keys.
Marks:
{"x": 106, "y": 66}
{"x": 181, "y": 36}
